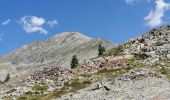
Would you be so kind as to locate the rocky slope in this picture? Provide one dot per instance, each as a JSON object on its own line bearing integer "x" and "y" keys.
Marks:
{"x": 155, "y": 43}
{"x": 139, "y": 69}
{"x": 54, "y": 52}
{"x": 145, "y": 75}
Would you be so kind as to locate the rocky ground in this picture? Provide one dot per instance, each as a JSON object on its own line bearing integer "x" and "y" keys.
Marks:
{"x": 151, "y": 87}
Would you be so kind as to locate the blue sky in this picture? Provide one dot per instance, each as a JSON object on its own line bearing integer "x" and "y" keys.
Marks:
{"x": 25, "y": 21}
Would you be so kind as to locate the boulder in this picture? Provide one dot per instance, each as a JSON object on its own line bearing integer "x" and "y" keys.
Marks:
{"x": 3, "y": 75}
{"x": 168, "y": 56}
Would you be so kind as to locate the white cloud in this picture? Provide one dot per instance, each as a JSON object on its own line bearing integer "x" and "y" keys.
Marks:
{"x": 6, "y": 22}
{"x": 130, "y": 1}
{"x": 155, "y": 17}
{"x": 37, "y": 21}
{"x": 52, "y": 23}
{"x": 33, "y": 24}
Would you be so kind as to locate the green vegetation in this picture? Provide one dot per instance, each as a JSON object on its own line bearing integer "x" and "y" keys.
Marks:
{"x": 73, "y": 86}
{"x": 114, "y": 51}
{"x": 168, "y": 76}
{"x": 74, "y": 62}
{"x": 1, "y": 82}
{"x": 22, "y": 98}
{"x": 112, "y": 73}
{"x": 40, "y": 87}
{"x": 77, "y": 84}
{"x": 133, "y": 62}
{"x": 87, "y": 82}
{"x": 164, "y": 71}
{"x": 101, "y": 50}
{"x": 31, "y": 97}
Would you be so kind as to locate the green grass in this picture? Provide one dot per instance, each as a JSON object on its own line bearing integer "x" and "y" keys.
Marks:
{"x": 114, "y": 51}
{"x": 168, "y": 77}
{"x": 31, "y": 97}
{"x": 40, "y": 87}
{"x": 71, "y": 86}
{"x": 112, "y": 72}
{"x": 164, "y": 71}
{"x": 78, "y": 84}
{"x": 22, "y": 98}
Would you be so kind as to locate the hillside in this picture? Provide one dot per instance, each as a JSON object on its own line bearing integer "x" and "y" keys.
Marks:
{"x": 54, "y": 52}
{"x": 138, "y": 69}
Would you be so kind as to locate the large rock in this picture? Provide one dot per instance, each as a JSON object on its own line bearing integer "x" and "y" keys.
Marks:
{"x": 3, "y": 75}
{"x": 168, "y": 56}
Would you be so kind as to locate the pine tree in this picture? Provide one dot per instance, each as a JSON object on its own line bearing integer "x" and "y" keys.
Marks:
{"x": 101, "y": 50}
{"x": 74, "y": 62}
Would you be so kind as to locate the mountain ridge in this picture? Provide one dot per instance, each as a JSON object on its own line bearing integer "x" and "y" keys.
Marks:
{"x": 127, "y": 71}
{"x": 54, "y": 51}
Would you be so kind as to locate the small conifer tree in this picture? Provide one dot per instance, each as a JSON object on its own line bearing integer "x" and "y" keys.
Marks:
{"x": 101, "y": 50}
{"x": 74, "y": 62}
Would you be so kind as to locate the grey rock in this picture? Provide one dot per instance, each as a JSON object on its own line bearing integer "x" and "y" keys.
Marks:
{"x": 168, "y": 56}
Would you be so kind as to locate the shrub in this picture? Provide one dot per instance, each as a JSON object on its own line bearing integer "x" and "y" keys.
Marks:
{"x": 40, "y": 87}
{"x": 74, "y": 62}
{"x": 22, "y": 98}
{"x": 163, "y": 71}
{"x": 87, "y": 82}
{"x": 79, "y": 84}
{"x": 116, "y": 51}
{"x": 101, "y": 50}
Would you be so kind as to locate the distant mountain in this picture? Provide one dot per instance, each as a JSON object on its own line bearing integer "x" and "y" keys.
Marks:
{"x": 54, "y": 52}
{"x": 123, "y": 72}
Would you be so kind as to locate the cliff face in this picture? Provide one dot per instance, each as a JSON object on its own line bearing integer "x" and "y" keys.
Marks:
{"x": 54, "y": 52}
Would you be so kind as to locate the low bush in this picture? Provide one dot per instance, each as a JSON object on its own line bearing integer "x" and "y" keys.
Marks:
{"x": 40, "y": 87}
{"x": 116, "y": 51}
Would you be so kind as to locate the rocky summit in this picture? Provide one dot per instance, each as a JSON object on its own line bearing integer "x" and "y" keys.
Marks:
{"x": 138, "y": 69}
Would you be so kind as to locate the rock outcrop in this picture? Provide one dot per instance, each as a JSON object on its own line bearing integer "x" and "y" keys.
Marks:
{"x": 155, "y": 44}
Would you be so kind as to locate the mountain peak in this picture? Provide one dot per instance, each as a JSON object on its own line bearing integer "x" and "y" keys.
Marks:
{"x": 76, "y": 35}
{"x": 69, "y": 38}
